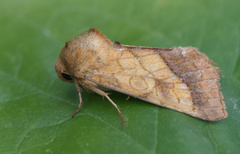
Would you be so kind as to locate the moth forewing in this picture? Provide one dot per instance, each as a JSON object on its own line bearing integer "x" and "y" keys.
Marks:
{"x": 180, "y": 78}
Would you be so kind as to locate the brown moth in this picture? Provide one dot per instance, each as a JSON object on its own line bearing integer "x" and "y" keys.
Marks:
{"x": 179, "y": 78}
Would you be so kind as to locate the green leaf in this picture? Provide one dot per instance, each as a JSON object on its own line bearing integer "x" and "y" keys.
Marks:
{"x": 36, "y": 107}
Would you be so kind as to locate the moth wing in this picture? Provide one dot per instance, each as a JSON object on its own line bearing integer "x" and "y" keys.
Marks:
{"x": 181, "y": 79}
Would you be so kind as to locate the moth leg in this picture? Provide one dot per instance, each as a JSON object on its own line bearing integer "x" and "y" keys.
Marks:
{"x": 102, "y": 93}
{"x": 80, "y": 99}
{"x": 79, "y": 105}
{"x": 123, "y": 122}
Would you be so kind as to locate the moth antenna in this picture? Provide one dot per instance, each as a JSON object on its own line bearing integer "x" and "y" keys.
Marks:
{"x": 80, "y": 98}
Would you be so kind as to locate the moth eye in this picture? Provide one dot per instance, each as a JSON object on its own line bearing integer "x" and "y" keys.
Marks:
{"x": 66, "y": 76}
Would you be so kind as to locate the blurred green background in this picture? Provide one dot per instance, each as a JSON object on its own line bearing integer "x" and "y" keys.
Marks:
{"x": 36, "y": 107}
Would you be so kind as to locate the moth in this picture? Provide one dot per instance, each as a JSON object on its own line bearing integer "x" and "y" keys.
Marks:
{"x": 178, "y": 78}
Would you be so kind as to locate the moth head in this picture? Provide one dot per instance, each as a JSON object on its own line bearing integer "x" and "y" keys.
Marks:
{"x": 62, "y": 72}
